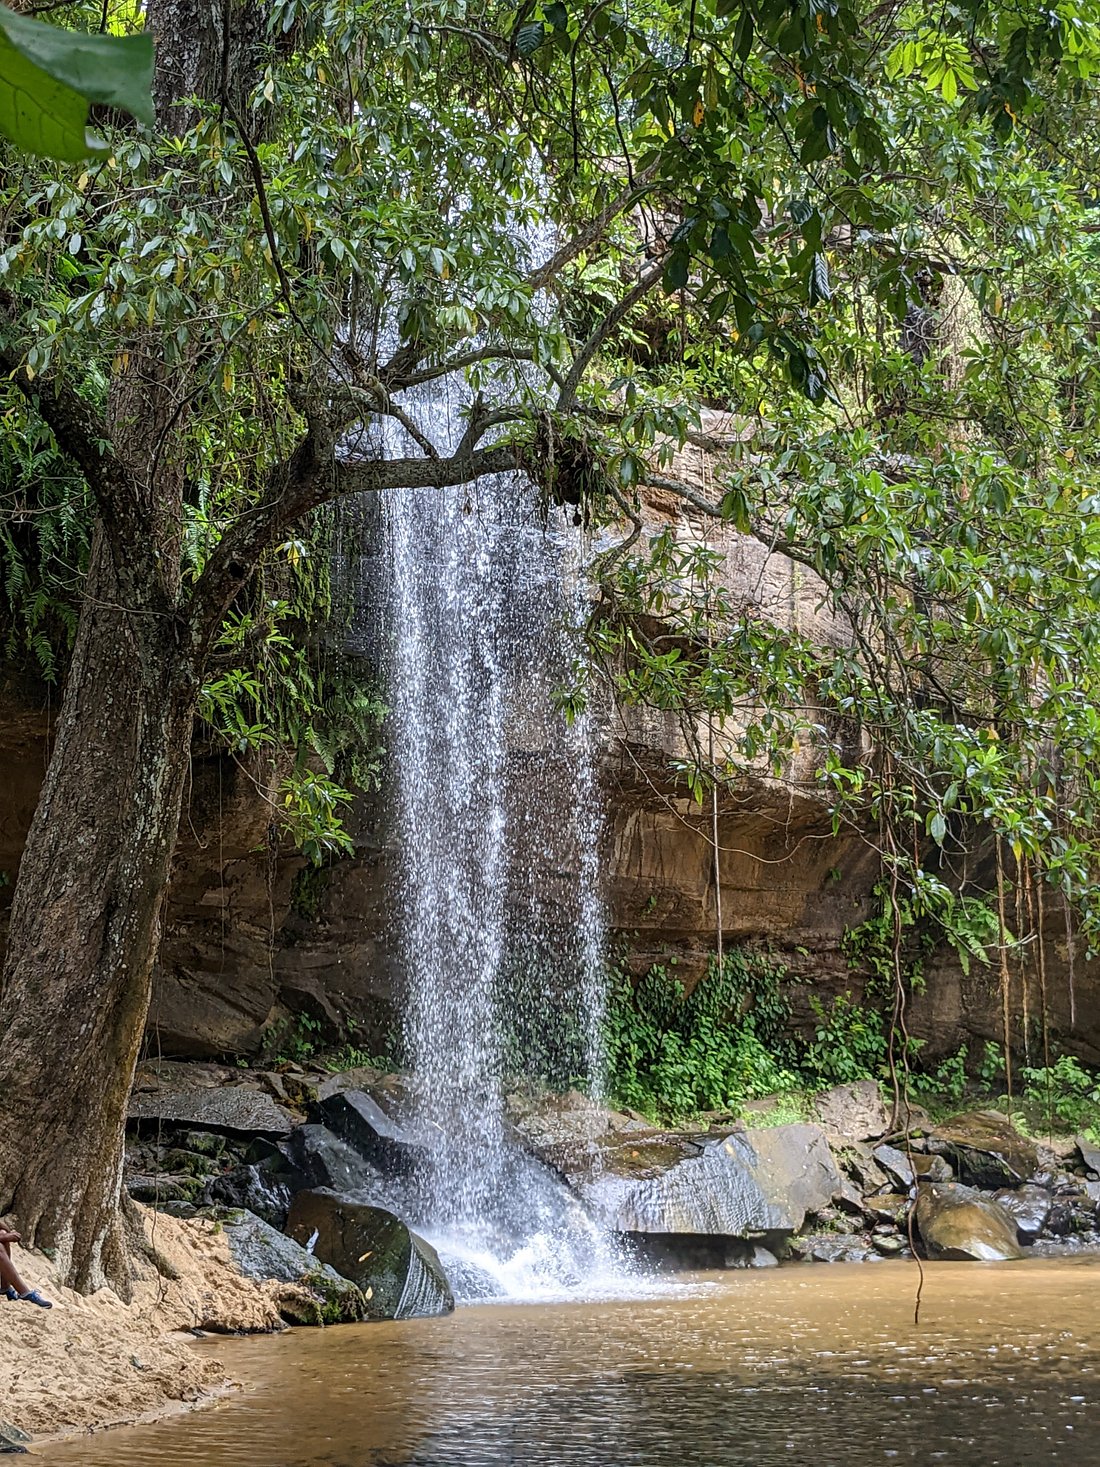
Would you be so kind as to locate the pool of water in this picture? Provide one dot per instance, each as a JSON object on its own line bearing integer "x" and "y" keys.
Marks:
{"x": 806, "y": 1365}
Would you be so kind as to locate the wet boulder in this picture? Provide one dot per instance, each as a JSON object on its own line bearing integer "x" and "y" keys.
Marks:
{"x": 956, "y": 1222}
{"x": 261, "y": 1252}
{"x": 1029, "y": 1206}
{"x": 321, "y": 1160}
{"x": 399, "y": 1274}
{"x": 744, "y": 1184}
{"x": 384, "y": 1139}
{"x": 985, "y": 1149}
{"x": 853, "y": 1112}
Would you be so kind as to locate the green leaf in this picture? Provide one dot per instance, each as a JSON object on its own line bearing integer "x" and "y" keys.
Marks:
{"x": 530, "y": 37}
{"x": 735, "y": 508}
{"x": 49, "y": 78}
{"x": 820, "y": 287}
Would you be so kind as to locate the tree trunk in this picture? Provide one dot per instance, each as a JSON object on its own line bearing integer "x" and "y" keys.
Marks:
{"x": 84, "y": 931}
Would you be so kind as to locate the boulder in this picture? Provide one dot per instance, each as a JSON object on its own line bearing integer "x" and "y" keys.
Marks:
{"x": 986, "y": 1149}
{"x": 238, "y": 1108}
{"x": 1029, "y": 1206}
{"x": 888, "y": 1207}
{"x": 833, "y": 1248}
{"x": 259, "y": 1187}
{"x": 553, "y": 1119}
{"x": 744, "y": 1184}
{"x": 260, "y": 1251}
{"x": 957, "y": 1222}
{"x": 358, "y": 1119}
{"x": 12, "y": 1441}
{"x": 322, "y": 1160}
{"x": 853, "y": 1112}
{"x": 858, "y": 1162}
{"x": 895, "y": 1163}
{"x": 1089, "y": 1154}
{"x": 932, "y": 1168}
{"x": 158, "y": 1188}
{"x": 889, "y": 1245}
{"x": 399, "y": 1274}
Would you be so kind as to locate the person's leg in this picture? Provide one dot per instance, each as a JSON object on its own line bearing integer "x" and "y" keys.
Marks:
{"x": 10, "y": 1278}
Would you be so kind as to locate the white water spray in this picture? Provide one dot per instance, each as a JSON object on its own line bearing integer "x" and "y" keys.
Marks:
{"x": 496, "y": 812}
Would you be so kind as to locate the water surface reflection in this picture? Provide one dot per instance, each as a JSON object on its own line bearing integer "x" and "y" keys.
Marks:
{"x": 813, "y": 1365}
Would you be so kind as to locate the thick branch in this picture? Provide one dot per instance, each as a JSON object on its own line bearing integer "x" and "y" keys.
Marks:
{"x": 645, "y": 283}
{"x": 84, "y": 438}
{"x": 312, "y": 476}
{"x": 593, "y": 231}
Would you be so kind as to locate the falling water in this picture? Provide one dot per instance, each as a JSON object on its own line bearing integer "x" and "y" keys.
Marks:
{"x": 496, "y": 814}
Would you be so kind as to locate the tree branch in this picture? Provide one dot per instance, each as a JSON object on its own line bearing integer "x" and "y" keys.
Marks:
{"x": 539, "y": 279}
{"x": 313, "y": 475}
{"x": 85, "y": 439}
{"x": 646, "y": 281}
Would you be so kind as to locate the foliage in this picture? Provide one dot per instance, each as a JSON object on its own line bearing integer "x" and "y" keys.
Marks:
{"x": 849, "y": 1042}
{"x": 1066, "y": 1095}
{"x": 48, "y": 78}
{"x": 672, "y": 1055}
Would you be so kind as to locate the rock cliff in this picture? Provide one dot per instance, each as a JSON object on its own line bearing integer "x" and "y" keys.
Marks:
{"x": 251, "y": 939}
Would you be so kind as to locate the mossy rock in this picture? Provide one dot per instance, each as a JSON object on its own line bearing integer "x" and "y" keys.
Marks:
{"x": 400, "y": 1275}
{"x": 260, "y": 1251}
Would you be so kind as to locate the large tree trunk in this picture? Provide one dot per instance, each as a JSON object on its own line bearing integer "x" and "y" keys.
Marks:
{"x": 84, "y": 931}
{"x": 85, "y": 924}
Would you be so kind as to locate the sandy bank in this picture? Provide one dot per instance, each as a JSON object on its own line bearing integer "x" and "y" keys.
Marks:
{"x": 93, "y": 1362}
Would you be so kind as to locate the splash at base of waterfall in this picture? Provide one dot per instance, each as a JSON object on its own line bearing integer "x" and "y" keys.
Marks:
{"x": 541, "y": 1270}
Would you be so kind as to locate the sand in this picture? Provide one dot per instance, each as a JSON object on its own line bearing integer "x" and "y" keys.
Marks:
{"x": 94, "y": 1362}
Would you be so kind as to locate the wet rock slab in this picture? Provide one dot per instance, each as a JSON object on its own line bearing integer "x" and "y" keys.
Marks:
{"x": 746, "y": 1183}
{"x": 238, "y": 1108}
{"x": 399, "y": 1274}
{"x": 956, "y": 1222}
{"x": 985, "y": 1149}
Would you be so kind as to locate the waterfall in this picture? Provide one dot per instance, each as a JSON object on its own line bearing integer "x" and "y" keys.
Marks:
{"x": 496, "y": 815}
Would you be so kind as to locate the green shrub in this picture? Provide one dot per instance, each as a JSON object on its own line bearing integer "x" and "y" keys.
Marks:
{"x": 671, "y": 1054}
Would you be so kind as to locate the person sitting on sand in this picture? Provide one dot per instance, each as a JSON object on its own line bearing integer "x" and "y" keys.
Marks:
{"x": 13, "y": 1285}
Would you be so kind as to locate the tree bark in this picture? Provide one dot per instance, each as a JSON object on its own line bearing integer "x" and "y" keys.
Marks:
{"x": 85, "y": 926}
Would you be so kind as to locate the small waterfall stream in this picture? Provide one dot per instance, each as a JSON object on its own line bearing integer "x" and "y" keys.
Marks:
{"x": 496, "y": 904}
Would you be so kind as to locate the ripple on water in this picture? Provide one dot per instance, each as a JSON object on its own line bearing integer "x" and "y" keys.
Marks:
{"x": 750, "y": 1371}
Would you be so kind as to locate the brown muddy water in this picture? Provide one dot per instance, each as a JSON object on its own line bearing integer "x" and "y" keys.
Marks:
{"x": 817, "y": 1364}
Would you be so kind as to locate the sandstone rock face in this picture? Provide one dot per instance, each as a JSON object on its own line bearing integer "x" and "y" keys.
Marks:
{"x": 400, "y": 1275}
{"x": 744, "y": 1184}
{"x": 242, "y": 952}
{"x": 956, "y": 1222}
